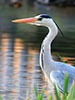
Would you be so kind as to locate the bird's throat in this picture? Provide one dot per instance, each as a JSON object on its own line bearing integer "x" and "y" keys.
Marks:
{"x": 46, "y": 61}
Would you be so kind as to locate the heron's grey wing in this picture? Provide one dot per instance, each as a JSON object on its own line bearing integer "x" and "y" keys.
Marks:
{"x": 57, "y": 77}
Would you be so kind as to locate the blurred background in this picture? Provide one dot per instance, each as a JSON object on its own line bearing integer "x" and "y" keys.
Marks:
{"x": 20, "y": 44}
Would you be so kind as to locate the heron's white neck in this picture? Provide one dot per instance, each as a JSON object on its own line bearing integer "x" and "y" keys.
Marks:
{"x": 46, "y": 48}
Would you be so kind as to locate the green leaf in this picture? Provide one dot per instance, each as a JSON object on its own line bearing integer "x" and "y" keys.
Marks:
{"x": 50, "y": 98}
{"x": 39, "y": 96}
{"x": 36, "y": 91}
{"x": 61, "y": 58}
{"x": 66, "y": 80}
{"x": 1, "y": 98}
{"x": 56, "y": 93}
{"x": 71, "y": 95}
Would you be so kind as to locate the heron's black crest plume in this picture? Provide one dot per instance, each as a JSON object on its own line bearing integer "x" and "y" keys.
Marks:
{"x": 44, "y": 16}
{"x": 59, "y": 29}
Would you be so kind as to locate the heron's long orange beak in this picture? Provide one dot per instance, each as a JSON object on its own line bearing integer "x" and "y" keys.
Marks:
{"x": 26, "y": 20}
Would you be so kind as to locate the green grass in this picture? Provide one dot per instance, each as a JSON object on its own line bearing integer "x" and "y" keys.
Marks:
{"x": 65, "y": 96}
{"x": 39, "y": 96}
{"x": 61, "y": 58}
{"x": 1, "y": 98}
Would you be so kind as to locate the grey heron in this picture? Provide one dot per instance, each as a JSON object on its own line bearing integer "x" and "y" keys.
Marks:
{"x": 53, "y": 70}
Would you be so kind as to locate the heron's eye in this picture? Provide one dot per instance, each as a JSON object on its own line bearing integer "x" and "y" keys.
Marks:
{"x": 40, "y": 18}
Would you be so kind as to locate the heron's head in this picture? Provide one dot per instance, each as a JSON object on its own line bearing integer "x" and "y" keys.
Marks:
{"x": 40, "y": 20}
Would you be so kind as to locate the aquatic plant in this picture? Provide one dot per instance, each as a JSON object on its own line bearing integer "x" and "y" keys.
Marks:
{"x": 39, "y": 96}
{"x": 65, "y": 96}
{"x": 1, "y": 98}
{"x": 61, "y": 59}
